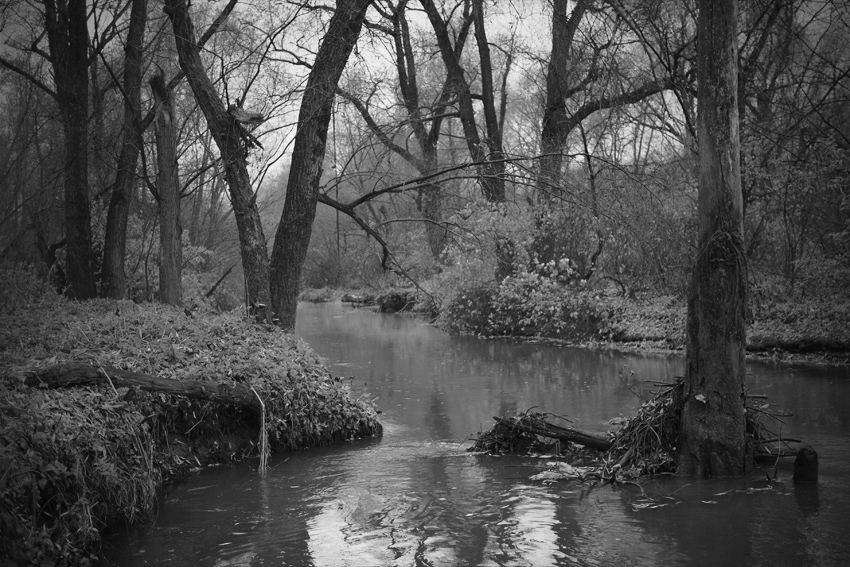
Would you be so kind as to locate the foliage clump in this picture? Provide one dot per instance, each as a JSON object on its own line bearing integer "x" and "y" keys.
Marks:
{"x": 530, "y": 305}
{"x": 71, "y": 462}
{"x": 75, "y": 459}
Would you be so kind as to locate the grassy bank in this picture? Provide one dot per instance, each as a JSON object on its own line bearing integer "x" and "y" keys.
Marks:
{"x": 73, "y": 460}
{"x": 786, "y": 328}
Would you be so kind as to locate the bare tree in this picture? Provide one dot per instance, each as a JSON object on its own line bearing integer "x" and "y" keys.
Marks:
{"x": 424, "y": 120}
{"x": 487, "y": 152}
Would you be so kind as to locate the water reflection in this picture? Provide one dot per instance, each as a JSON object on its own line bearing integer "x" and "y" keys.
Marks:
{"x": 415, "y": 497}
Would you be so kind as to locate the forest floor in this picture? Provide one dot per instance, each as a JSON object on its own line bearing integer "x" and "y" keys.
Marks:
{"x": 74, "y": 460}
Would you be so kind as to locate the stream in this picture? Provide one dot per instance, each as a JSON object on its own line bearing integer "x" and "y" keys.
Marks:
{"x": 416, "y": 497}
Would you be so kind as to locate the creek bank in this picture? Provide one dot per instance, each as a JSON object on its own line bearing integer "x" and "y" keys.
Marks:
{"x": 386, "y": 301}
{"x": 74, "y": 460}
{"x": 806, "y": 330}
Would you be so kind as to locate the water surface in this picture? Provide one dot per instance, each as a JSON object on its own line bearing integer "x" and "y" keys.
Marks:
{"x": 416, "y": 497}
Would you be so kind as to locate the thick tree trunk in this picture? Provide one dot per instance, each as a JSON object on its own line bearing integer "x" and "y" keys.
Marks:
{"x": 113, "y": 278}
{"x": 299, "y": 210}
{"x": 556, "y": 126}
{"x": 493, "y": 172}
{"x": 168, "y": 189}
{"x": 713, "y": 428}
{"x": 79, "y": 374}
{"x": 68, "y": 40}
{"x": 227, "y": 133}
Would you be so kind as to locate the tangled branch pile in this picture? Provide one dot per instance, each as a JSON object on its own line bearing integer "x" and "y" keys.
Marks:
{"x": 644, "y": 445}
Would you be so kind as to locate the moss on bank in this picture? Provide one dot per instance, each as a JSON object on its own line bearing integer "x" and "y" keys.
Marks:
{"x": 74, "y": 460}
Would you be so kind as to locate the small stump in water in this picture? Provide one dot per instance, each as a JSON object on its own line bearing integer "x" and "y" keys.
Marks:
{"x": 806, "y": 465}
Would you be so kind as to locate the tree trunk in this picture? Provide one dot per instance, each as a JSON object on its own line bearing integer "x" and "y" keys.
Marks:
{"x": 168, "y": 189}
{"x": 556, "y": 127}
{"x": 227, "y": 133}
{"x": 299, "y": 210}
{"x": 713, "y": 428}
{"x": 494, "y": 170}
{"x": 535, "y": 426}
{"x": 68, "y": 40}
{"x": 432, "y": 211}
{"x": 113, "y": 278}
{"x": 195, "y": 222}
{"x": 80, "y": 374}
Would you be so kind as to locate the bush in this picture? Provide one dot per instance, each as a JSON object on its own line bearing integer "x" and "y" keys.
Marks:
{"x": 470, "y": 312}
{"x": 529, "y": 304}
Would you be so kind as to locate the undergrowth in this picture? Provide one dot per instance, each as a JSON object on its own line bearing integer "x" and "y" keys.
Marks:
{"x": 538, "y": 307}
{"x": 76, "y": 459}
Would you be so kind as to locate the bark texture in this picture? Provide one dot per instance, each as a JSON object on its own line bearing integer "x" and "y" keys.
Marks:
{"x": 168, "y": 190}
{"x": 556, "y": 125}
{"x": 113, "y": 279}
{"x": 535, "y": 426}
{"x": 79, "y": 374}
{"x": 68, "y": 41}
{"x": 299, "y": 210}
{"x": 713, "y": 439}
{"x": 227, "y": 133}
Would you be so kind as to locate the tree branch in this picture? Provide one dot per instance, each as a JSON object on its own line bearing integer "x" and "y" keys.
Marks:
{"x": 375, "y": 129}
{"x": 172, "y": 84}
{"x": 28, "y": 76}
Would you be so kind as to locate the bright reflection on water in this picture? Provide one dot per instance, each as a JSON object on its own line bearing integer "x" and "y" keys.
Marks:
{"x": 415, "y": 497}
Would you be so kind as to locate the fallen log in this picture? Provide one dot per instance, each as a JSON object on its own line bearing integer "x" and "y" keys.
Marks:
{"x": 80, "y": 374}
{"x": 536, "y": 426}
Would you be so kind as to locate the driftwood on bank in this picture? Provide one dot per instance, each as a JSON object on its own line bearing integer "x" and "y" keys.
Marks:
{"x": 80, "y": 374}
{"x": 536, "y": 426}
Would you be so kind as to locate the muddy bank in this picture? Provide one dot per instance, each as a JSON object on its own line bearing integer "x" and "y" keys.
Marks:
{"x": 75, "y": 459}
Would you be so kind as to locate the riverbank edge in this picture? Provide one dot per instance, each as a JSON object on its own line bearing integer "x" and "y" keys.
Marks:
{"x": 74, "y": 461}
{"x": 808, "y": 332}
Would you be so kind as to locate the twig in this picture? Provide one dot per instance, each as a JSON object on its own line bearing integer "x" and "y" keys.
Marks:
{"x": 108, "y": 379}
{"x": 779, "y": 439}
{"x": 264, "y": 436}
